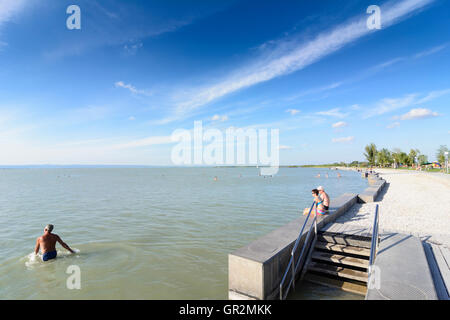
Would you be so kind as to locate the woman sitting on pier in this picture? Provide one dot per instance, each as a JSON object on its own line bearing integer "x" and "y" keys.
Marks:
{"x": 319, "y": 204}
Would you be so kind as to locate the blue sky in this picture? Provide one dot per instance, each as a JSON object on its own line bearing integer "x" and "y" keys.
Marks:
{"x": 114, "y": 91}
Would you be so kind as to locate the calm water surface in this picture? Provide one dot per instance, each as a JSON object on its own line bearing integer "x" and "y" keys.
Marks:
{"x": 151, "y": 233}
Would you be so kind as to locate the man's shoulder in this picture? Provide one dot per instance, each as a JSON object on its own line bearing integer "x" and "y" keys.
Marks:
{"x": 55, "y": 236}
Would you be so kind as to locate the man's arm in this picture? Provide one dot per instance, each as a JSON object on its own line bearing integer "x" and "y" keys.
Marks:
{"x": 63, "y": 244}
{"x": 38, "y": 244}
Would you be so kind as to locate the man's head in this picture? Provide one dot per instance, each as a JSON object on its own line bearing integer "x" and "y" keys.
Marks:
{"x": 48, "y": 228}
{"x": 320, "y": 189}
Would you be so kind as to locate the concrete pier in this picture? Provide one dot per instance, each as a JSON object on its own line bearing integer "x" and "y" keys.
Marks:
{"x": 255, "y": 271}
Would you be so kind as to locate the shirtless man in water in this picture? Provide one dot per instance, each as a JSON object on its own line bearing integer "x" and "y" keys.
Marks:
{"x": 47, "y": 243}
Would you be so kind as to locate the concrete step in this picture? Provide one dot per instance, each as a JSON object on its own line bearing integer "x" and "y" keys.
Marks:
{"x": 345, "y": 239}
{"x": 337, "y": 271}
{"x": 340, "y": 259}
{"x": 353, "y": 287}
{"x": 364, "y": 252}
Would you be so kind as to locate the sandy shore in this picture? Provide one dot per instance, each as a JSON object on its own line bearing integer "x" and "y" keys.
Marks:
{"x": 416, "y": 203}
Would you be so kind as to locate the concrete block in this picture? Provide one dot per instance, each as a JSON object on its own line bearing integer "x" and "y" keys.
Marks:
{"x": 370, "y": 194}
{"x": 402, "y": 270}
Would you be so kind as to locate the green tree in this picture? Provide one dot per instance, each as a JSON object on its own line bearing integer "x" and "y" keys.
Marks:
{"x": 371, "y": 154}
{"x": 396, "y": 156}
{"x": 400, "y": 157}
{"x": 384, "y": 157}
{"x": 404, "y": 158}
{"x": 354, "y": 164}
{"x": 412, "y": 156}
{"x": 422, "y": 159}
{"x": 440, "y": 155}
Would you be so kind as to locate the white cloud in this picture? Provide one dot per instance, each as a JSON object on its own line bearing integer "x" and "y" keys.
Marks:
{"x": 131, "y": 118}
{"x": 132, "y": 48}
{"x": 121, "y": 84}
{"x": 343, "y": 140}
{"x": 217, "y": 117}
{"x": 290, "y": 56}
{"x": 336, "y": 112}
{"x": 285, "y": 147}
{"x": 340, "y": 124}
{"x": 293, "y": 112}
{"x": 393, "y": 125}
{"x": 420, "y": 113}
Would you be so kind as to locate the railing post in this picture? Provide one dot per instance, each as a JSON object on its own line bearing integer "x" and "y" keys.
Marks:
{"x": 293, "y": 270}
{"x": 315, "y": 221}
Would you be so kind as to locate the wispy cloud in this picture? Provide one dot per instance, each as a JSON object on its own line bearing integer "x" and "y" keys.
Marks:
{"x": 420, "y": 113}
{"x": 132, "y": 48}
{"x": 217, "y": 117}
{"x": 388, "y": 105}
{"x": 391, "y": 104}
{"x": 343, "y": 140}
{"x": 133, "y": 89}
{"x": 336, "y": 112}
{"x": 286, "y": 59}
{"x": 430, "y": 51}
{"x": 340, "y": 124}
{"x": 9, "y": 8}
{"x": 293, "y": 112}
{"x": 149, "y": 141}
{"x": 393, "y": 125}
{"x": 433, "y": 95}
{"x": 109, "y": 23}
{"x": 314, "y": 91}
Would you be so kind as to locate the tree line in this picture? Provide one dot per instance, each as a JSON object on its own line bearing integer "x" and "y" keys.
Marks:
{"x": 385, "y": 157}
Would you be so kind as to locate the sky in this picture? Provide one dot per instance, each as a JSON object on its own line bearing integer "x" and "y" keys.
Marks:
{"x": 114, "y": 91}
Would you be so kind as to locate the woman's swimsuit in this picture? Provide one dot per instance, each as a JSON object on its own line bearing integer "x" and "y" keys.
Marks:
{"x": 319, "y": 211}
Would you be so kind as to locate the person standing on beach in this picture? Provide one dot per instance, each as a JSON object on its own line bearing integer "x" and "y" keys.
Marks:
{"x": 47, "y": 244}
{"x": 324, "y": 196}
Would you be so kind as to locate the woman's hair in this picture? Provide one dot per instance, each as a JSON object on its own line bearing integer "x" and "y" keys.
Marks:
{"x": 315, "y": 191}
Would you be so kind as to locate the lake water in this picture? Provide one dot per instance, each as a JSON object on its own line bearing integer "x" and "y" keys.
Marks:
{"x": 144, "y": 233}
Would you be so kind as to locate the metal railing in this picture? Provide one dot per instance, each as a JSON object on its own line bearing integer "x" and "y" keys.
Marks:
{"x": 374, "y": 246}
{"x": 294, "y": 265}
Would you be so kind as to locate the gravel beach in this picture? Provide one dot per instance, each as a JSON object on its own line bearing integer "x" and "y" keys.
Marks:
{"x": 416, "y": 203}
